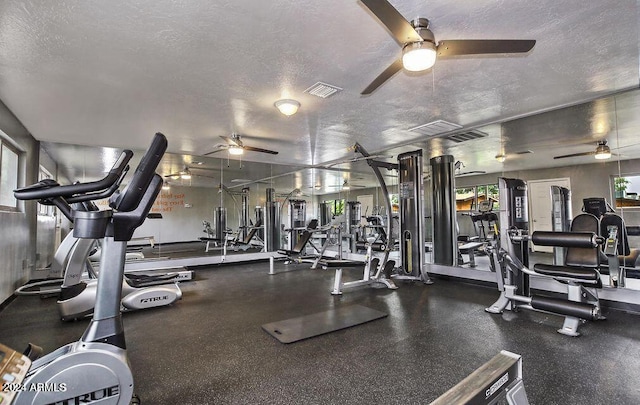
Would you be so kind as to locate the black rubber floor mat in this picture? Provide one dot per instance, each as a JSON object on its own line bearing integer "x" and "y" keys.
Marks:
{"x": 304, "y": 327}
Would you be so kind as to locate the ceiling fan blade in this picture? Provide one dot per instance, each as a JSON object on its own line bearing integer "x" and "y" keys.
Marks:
{"x": 251, "y": 148}
{"x": 626, "y": 146}
{"x": 470, "y": 173}
{"x": 230, "y": 141}
{"x": 483, "y": 46}
{"x": 383, "y": 77}
{"x": 212, "y": 152}
{"x": 575, "y": 155}
{"x": 401, "y": 29}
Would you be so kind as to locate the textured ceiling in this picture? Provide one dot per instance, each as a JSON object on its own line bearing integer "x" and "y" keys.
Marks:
{"x": 96, "y": 73}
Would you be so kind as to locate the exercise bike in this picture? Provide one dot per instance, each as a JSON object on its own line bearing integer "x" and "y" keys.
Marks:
{"x": 96, "y": 369}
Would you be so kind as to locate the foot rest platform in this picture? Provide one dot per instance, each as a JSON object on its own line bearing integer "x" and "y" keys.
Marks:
{"x": 577, "y": 273}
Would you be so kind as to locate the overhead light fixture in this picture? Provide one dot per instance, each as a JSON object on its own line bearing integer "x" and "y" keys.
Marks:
{"x": 345, "y": 185}
{"x": 418, "y": 56}
{"x": 165, "y": 186}
{"x": 185, "y": 175}
{"x": 602, "y": 151}
{"x": 235, "y": 150}
{"x": 501, "y": 158}
{"x": 318, "y": 186}
{"x": 287, "y": 106}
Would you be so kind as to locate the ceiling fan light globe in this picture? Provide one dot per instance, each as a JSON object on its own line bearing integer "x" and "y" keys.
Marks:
{"x": 287, "y": 106}
{"x": 418, "y": 56}
{"x": 235, "y": 150}
{"x": 603, "y": 154}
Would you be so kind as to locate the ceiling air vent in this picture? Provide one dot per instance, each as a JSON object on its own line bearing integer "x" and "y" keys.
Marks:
{"x": 435, "y": 128}
{"x": 323, "y": 90}
{"x": 467, "y": 136}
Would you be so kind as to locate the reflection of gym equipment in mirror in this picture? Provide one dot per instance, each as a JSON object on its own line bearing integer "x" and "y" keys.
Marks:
{"x": 579, "y": 271}
{"x": 485, "y": 225}
{"x": 249, "y": 233}
{"x": 621, "y": 258}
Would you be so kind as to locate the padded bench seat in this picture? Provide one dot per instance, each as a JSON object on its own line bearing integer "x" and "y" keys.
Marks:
{"x": 578, "y": 273}
{"x": 337, "y": 263}
{"x": 469, "y": 246}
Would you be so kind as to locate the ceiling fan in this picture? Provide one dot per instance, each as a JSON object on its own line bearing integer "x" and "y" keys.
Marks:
{"x": 419, "y": 47}
{"x": 358, "y": 159}
{"x": 185, "y": 174}
{"x": 235, "y": 146}
{"x": 602, "y": 152}
{"x": 345, "y": 185}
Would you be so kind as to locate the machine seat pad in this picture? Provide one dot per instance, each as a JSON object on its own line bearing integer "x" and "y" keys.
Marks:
{"x": 337, "y": 263}
{"x": 577, "y": 273}
{"x": 469, "y": 246}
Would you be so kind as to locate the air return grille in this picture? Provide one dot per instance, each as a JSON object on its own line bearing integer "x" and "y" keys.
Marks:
{"x": 323, "y": 90}
{"x": 435, "y": 128}
{"x": 467, "y": 136}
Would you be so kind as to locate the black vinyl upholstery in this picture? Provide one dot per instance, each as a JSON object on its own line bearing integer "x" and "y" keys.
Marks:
{"x": 581, "y": 264}
{"x": 585, "y": 257}
{"x": 252, "y": 233}
{"x": 297, "y": 249}
{"x": 578, "y": 273}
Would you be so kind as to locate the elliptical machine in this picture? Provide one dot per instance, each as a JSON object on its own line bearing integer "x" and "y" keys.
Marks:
{"x": 96, "y": 369}
{"x": 77, "y": 296}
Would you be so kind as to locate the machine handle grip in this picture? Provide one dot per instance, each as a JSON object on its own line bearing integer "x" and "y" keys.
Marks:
{"x": 50, "y": 189}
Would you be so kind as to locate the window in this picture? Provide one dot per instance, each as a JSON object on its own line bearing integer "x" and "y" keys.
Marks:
{"x": 337, "y": 207}
{"x": 8, "y": 176}
{"x": 467, "y": 198}
{"x": 627, "y": 191}
{"x": 45, "y": 210}
{"x": 395, "y": 203}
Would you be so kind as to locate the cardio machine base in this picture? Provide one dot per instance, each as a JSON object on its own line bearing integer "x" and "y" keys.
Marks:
{"x": 78, "y": 372}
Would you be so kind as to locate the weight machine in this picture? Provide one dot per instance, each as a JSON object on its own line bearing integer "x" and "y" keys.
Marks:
{"x": 579, "y": 272}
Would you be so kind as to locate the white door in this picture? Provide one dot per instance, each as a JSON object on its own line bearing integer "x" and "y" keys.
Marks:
{"x": 540, "y": 207}
{"x": 366, "y": 204}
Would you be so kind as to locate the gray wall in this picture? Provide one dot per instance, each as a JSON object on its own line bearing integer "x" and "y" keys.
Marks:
{"x": 18, "y": 230}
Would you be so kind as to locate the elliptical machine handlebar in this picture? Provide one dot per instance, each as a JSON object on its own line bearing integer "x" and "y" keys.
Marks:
{"x": 48, "y": 189}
